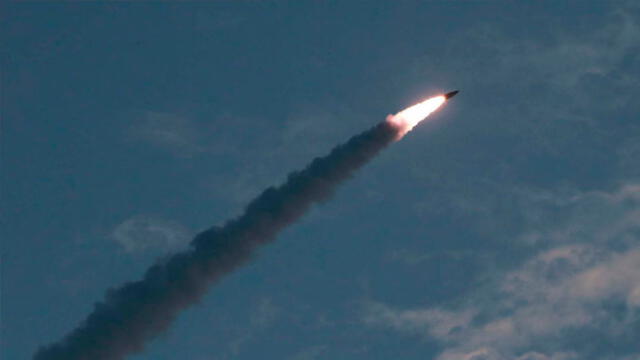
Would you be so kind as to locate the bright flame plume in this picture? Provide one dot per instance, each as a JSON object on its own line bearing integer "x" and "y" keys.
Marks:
{"x": 408, "y": 118}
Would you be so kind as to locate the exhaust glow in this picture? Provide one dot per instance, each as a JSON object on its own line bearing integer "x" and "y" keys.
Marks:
{"x": 406, "y": 119}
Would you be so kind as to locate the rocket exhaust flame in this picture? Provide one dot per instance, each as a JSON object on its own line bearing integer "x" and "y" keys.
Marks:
{"x": 408, "y": 118}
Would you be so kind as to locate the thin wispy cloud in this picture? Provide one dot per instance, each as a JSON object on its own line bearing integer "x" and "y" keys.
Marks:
{"x": 312, "y": 353}
{"x": 142, "y": 233}
{"x": 562, "y": 59}
{"x": 174, "y": 133}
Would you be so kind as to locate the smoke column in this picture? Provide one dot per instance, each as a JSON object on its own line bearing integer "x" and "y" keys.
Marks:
{"x": 138, "y": 311}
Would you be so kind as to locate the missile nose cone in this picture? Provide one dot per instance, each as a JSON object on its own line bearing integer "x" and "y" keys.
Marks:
{"x": 449, "y": 95}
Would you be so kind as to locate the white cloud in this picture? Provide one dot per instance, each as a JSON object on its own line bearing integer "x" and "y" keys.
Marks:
{"x": 143, "y": 233}
{"x": 588, "y": 261}
{"x": 619, "y": 276}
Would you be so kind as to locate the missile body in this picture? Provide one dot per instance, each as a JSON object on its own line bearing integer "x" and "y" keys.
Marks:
{"x": 451, "y": 94}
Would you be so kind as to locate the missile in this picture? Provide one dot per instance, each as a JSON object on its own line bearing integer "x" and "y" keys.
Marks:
{"x": 451, "y": 94}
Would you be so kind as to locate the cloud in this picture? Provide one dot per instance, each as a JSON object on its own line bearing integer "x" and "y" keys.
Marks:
{"x": 570, "y": 290}
{"x": 564, "y": 58}
{"x": 618, "y": 277}
{"x": 436, "y": 322}
{"x": 311, "y": 353}
{"x": 628, "y": 154}
{"x": 545, "y": 108}
{"x": 555, "y": 356}
{"x": 145, "y": 233}
{"x": 557, "y": 93}
{"x": 573, "y": 57}
{"x": 595, "y": 217}
{"x": 582, "y": 283}
{"x": 262, "y": 317}
{"x": 167, "y": 131}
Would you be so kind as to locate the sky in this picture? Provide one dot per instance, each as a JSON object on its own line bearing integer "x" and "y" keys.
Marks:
{"x": 507, "y": 227}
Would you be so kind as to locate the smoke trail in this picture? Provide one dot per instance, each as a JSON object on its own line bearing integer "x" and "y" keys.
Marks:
{"x": 138, "y": 311}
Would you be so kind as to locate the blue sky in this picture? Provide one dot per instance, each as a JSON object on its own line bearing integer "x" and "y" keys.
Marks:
{"x": 505, "y": 228}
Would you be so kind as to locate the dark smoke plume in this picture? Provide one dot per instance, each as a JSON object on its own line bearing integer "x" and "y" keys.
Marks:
{"x": 138, "y": 311}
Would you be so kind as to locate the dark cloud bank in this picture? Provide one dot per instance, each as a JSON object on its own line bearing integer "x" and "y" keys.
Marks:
{"x": 136, "y": 312}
